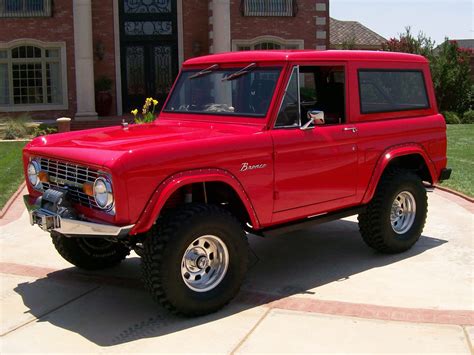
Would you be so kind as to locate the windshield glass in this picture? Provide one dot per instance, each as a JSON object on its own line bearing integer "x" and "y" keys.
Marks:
{"x": 223, "y": 92}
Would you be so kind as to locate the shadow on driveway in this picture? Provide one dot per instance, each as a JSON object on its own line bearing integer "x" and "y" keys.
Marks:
{"x": 117, "y": 309}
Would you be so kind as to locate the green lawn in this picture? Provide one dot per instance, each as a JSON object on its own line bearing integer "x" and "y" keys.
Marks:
{"x": 11, "y": 171}
{"x": 461, "y": 158}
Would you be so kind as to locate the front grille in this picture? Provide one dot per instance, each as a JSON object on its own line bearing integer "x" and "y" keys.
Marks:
{"x": 70, "y": 176}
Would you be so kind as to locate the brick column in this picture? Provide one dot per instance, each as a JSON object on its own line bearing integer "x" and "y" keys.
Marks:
{"x": 84, "y": 58}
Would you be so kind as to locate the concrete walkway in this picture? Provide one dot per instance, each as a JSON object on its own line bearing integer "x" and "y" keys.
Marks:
{"x": 316, "y": 291}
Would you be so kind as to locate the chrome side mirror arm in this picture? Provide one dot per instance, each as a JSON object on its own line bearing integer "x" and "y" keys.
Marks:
{"x": 308, "y": 125}
{"x": 314, "y": 117}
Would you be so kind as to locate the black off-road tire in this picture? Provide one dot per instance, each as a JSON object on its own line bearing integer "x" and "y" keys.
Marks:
{"x": 166, "y": 245}
{"x": 375, "y": 224}
{"x": 90, "y": 253}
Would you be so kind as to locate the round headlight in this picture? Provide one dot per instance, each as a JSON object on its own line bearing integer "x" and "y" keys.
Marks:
{"x": 33, "y": 171}
{"x": 103, "y": 193}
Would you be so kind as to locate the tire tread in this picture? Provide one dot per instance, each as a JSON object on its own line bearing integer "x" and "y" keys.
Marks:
{"x": 156, "y": 243}
{"x": 370, "y": 221}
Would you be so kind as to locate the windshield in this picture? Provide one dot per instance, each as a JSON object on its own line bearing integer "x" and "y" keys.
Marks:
{"x": 235, "y": 91}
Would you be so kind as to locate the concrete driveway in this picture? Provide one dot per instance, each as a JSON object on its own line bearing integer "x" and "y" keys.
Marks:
{"x": 318, "y": 290}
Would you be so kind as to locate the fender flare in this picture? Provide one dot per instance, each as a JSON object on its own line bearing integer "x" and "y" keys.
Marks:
{"x": 174, "y": 182}
{"x": 388, "y": 156}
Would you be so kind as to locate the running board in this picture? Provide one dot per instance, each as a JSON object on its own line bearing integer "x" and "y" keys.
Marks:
{"x": 308, "y": 222}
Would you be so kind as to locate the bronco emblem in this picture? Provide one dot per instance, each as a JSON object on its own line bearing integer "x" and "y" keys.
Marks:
{"x": 246, "y": 166}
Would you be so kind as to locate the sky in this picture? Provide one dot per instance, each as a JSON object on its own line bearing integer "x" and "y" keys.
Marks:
{"x": 436, "y": 18}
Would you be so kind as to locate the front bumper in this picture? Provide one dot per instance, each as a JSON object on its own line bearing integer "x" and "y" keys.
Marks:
{"x": 50, "y": 221}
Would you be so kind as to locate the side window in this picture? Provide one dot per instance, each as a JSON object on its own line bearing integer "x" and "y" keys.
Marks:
{"x": 288, "y": 116}
{"x": 373, "y": 95}
{"x": 308, "y": 87}
{"x": 313, "y": 88}
{"x": 392, "y": 90}
{"x": 323, "y": 89}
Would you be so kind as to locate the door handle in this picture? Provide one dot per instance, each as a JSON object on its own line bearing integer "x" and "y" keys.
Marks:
{"x": 353, "y": 129}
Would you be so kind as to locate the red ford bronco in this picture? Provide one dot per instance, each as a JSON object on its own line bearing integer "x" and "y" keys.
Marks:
{"x": 260, "y": 142}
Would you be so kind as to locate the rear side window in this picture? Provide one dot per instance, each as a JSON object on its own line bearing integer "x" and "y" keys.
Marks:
{"x": 392, "y": 90}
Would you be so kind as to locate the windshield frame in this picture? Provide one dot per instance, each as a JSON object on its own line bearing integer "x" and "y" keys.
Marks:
{"x": 279, "y": 68}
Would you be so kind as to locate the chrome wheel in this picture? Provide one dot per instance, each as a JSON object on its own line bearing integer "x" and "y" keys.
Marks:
{"x": 402, "y": 215}
{"x": 204, "y": 263}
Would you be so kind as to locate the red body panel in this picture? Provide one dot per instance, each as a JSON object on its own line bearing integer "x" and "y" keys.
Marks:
{"x": 304, "y": 172}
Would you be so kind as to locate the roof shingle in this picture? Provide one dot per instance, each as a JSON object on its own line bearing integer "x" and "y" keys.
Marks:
{"x": 352, "y": 31}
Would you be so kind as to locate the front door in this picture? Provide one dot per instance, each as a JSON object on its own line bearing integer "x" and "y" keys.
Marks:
{"x": 149, "y": 51}
{"x": 315, "y": 167}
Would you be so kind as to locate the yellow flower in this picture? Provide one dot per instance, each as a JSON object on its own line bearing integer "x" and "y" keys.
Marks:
{"x": 155, "y": 102}
{"x": 134, "y": 112}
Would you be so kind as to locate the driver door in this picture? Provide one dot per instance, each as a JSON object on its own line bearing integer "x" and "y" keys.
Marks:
{"x": 316, "y": 168}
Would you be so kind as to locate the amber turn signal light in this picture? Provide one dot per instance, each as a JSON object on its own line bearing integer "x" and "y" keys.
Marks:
{"x": 43, "y": 176}
{"x": 88, "y": 189}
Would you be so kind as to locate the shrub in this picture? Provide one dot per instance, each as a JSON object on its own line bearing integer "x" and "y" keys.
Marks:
{"x": 17, "y": 127}
{"x": 468, "y": 117}
{"x": 451, "y": 117}
{"x": 43, "y": 130}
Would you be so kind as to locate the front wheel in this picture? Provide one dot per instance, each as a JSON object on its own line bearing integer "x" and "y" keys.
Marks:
{"x": 195, "y": 260}
{"x": 395, "y": 217}
{"x": 90, "y": 253}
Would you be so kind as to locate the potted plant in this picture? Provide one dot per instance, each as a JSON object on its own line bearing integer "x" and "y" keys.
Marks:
{"x": 103, "y": 95}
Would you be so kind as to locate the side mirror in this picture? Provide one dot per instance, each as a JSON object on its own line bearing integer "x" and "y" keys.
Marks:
{"x": 314, "y": 118}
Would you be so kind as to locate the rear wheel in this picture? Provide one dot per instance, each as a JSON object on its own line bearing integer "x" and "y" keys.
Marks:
{"x": 90, "y": 253}
{"x": 195, "y": 260}
{"x": 395, "y": 217}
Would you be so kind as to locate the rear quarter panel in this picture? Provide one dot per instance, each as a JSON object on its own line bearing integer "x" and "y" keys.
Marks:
{"x": 380, "y": 133}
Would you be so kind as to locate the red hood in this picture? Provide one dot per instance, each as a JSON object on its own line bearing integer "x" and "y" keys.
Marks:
{"x": 103, "y": 145}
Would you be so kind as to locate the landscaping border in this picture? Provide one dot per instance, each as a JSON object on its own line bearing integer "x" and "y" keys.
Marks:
{"x": 15, "y": 140}
{"x": 12, "y": 199}
{"x": 454, "y": 192}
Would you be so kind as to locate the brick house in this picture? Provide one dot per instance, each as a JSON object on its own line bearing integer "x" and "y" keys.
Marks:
{"x": 51, "y": 52}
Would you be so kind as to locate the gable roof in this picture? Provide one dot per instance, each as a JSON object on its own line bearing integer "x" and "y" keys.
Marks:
{"x": 348, "y": 31}
{"x": 465, "y": 43}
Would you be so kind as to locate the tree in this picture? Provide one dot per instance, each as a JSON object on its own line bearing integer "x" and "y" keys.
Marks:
{"x": 407, "y": 43}
{"x": 451, "y": 77}
{"x": 449, "y": 68}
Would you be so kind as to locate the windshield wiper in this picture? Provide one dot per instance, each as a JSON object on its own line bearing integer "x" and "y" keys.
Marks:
{"x": 204, "y": 71}
{"x": 241, "y": 72}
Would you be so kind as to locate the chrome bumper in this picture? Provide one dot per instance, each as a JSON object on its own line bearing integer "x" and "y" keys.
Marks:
{"x": 50, "y": 221}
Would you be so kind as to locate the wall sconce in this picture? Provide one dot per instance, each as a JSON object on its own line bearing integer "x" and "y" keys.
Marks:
{"x": 197, "y": 48}
{"x": 99, "y": 50}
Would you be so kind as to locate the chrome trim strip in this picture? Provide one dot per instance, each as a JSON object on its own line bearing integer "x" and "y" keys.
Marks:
{"x": 297, "y": 68}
